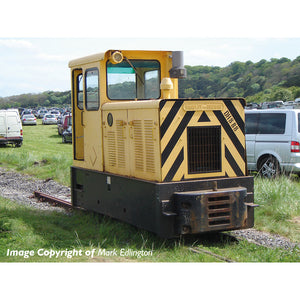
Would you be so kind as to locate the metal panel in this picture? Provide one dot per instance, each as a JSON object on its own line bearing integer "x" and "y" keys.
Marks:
{"x": 178, "y": 115}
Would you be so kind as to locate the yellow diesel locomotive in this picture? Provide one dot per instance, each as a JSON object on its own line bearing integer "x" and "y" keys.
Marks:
{"x": 142, "y": 155}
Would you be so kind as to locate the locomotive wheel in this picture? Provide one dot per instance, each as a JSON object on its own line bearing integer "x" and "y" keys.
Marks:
{"x": 269, "y": 167}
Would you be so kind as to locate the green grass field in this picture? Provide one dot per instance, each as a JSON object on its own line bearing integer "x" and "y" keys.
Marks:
{"x": 42, "y": 154}
{"x": 90, "y": 238}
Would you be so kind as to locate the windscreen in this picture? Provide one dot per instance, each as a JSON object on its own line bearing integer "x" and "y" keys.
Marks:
{"x": 134, "y": 79}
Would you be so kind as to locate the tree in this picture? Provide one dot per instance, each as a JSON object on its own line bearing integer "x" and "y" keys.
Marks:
{"x": 189, "y": 92}
{"x": 282, "y": 94}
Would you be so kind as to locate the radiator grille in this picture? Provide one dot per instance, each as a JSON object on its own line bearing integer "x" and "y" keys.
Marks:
{"x": 204, "y": 149}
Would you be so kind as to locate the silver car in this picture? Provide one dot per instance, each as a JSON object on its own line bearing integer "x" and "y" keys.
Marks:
{"x": 273, "y": 141}
{"x": 49, "y": 119}
{"x": 28, "y": 119}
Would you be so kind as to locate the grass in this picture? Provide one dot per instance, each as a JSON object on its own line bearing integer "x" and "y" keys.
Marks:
{"x": 23, "y": 228}
{"x": 279, "y": 201}
{"x": 69, "y": 235}
{"x": 42, "y": 154}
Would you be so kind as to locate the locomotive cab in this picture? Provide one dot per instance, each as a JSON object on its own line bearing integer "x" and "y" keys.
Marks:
{"x": 142, "y": 155}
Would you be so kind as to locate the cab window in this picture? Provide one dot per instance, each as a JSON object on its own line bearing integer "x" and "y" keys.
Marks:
{"x": 133, "y": 79}
{"x": 92, "y": 89}
{"x": 80, "y": 91}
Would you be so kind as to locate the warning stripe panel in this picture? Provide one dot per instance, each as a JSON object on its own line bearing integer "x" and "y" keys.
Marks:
{"x": 175, "y": 137}
{"x": 174, "y": 121}
{"x": 173, "y": 170}
{"x": 240, "y": 148}
{"x": 168, "y": 120}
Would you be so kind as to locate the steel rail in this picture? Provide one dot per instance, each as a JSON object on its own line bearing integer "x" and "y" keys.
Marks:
{"x": 199, "y": 251}
{"x": 53, "y": 200}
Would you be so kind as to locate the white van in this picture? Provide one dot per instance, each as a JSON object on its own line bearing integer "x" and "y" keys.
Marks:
{"x": 273, "y": 141}
{"x": 11, "y": 131}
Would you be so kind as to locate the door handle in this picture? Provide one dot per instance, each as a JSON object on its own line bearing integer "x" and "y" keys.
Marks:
{"x": 82, "y": 121}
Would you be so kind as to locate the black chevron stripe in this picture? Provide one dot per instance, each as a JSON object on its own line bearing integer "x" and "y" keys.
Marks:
{"x": 230, "y": 133}
{"x": 168, "y": 120}
{"x": 175, "y": 166}
{"x": 235, "y": 115}
{"x": 233, "y": 163}
{"x": 177, "y": 134}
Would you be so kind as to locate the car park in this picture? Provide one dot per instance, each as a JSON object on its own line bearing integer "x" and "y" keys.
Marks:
{"x": 28, "y": 119}
{"x": 49, "y": 119}
{"x": 273, "y": 141}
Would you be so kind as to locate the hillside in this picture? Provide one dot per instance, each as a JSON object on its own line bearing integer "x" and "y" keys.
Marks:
{"x": 276, "y": 79}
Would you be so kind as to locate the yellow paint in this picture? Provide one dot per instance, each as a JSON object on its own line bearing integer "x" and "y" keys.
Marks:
{"x": 123, "y": 136}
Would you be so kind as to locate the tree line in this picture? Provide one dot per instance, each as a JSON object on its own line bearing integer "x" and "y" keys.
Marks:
{"x": 276, "y": 79}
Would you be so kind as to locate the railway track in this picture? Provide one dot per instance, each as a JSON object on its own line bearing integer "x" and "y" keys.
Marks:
{"x": 219, "y": 257}
{"x": 53, "y": 200}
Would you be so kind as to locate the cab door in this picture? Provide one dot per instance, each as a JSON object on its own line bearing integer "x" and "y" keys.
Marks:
{"x": 91, "y": 119}
{"x": 78, "y": 133}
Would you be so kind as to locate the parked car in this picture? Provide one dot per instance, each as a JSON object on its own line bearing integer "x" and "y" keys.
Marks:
{"x": 273, "y": 141}
{"x": 11, "y": 131}
{"x": 25, "y": 112}
{"x": 41, "y": 113}
{"x": 49, "y": 119}
{"x": 28, "y": 119}
{"x": 67, "y": 135}
{"x": 64, "y": 123}
{"x": 54, "y": 112}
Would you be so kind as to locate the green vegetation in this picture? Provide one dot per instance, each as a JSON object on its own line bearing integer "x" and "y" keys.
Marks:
{"x": 45, "y": 99}
{"x": 76, "y": 236}
{"x": 42, "y": 154}
{"x": 279, "y": 210}
{"x": 276, "y": 79}
{"x": 24, "y": 228}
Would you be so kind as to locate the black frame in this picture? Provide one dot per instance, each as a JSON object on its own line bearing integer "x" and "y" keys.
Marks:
{"x": 85, "y": 89}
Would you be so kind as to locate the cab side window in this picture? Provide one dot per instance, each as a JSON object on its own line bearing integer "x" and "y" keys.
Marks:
{"x": 92, "y": 89}
{"x": 79, "y": 90}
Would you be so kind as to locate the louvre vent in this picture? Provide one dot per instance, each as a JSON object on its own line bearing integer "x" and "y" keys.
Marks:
{"x": 204, "y": 149}
{"x": 144, "y": 146}
{"x": 138, "y": 145}
{"x": 149, "y": 146}
{"x": 120, "y": 144}
{"x": 111, "y": 139}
